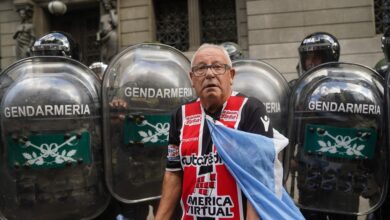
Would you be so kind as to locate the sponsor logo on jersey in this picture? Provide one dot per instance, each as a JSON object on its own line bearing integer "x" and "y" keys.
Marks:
{"x": 204, "y": 201}
{"x": 193, "y": 120}
{"x": 228, "y": 115}
{"x": 167, "y": 93}
{"x": 355, "y": 108}
{"x": 185, "y": 140}
{"x": 265, "y": 121}
{"x": 209, "y": 206}
{"x": 46, "y": 110}
{"x": 173, "y": 153}
{"x": 202, "y": 160}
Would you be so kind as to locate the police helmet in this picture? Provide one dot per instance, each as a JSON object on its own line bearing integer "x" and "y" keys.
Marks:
{"x": 99, "y": 68}
{"x": 386, "y": 44}
{"x": 317, "y": 48}
{"x": 381, "y": 67}
{"x": 56, "y": 44}
{"x": 233, "y": 49}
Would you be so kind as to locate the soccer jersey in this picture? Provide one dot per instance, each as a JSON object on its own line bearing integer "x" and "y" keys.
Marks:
{"x": 208, "y": 189}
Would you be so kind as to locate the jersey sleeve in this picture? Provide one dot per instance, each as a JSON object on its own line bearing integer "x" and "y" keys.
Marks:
{"x": 173, "y": 156}
{"x": 255, "y": 119}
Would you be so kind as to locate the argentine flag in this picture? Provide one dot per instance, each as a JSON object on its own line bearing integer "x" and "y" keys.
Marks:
{"x": 252, "y": 160}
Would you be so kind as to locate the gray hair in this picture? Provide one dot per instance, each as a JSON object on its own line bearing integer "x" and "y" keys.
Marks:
{"x": 207, "y": 45}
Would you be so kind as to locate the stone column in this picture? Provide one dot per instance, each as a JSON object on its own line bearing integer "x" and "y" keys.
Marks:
{"x": 193, "y": 24}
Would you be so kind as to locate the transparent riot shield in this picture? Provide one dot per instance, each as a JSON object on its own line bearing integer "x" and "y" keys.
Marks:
{"x": 51, "y": 164}
{"x": 337, "y": 154}
{"x": 141, "y": 88}
{"x": 260, "y": 80}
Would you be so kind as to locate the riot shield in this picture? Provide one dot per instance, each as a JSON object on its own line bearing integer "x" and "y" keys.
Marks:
{"x": 337, "y": 155}
{"x": 51, "y": 163}
{"x": 260, "y": 80}
{"x": 141, "y": 88}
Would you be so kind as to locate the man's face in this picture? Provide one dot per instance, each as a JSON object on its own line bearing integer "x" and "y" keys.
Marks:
{"x": 212, "y": 89}
{"x": 312, "y": 60}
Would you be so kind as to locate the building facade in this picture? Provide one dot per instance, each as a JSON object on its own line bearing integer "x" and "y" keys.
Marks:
{"x": 269, "y": 30}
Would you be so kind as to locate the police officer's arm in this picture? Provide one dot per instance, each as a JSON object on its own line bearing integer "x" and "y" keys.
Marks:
{"x": 171, "y": 192}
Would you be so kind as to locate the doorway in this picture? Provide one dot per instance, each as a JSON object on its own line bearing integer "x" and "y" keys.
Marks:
{"x": 82, "y": 24}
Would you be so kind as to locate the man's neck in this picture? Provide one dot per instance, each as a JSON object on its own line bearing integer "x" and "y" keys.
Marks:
{"x": 213, "y": 110}
{"x": 213, "y": 104}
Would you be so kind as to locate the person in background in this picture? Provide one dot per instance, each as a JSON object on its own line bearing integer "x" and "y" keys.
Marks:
{"x": 315, "y": 49}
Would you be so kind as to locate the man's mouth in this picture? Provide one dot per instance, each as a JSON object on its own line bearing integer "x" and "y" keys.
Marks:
{"x": 210, "y": 86}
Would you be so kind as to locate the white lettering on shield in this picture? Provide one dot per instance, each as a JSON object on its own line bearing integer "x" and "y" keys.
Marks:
{"x": 163, "y": 93}
{"x": 46, "y": 110}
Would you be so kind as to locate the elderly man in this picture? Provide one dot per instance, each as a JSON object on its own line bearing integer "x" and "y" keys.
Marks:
{"x": 194, "y": 170}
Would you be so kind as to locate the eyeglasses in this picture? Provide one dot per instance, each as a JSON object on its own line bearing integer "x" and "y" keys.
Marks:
{"x": 217, "y": 68}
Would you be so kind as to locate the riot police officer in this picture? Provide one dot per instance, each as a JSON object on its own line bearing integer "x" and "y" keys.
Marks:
{"x": 52, "y": 143}
{"x": 141, "y": 86}
{"x": 329, "y": 176}
{"x": 315, "y": 49}
{"x": 381, "y": 67}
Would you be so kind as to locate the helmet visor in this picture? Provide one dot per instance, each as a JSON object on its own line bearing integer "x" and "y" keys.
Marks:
{"x": 310, "y": 59}
{"x": 48, "y": 53}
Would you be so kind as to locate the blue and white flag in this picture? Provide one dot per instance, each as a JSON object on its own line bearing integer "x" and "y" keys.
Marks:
{"x": 252, "y": 159}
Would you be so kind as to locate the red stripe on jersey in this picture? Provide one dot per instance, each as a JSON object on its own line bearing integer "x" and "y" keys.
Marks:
{"x": 191, "y": 125}
{"x": 213, "y": 194}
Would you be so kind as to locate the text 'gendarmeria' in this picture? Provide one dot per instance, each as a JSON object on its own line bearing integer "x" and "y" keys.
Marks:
{"x": 46, "y": 110}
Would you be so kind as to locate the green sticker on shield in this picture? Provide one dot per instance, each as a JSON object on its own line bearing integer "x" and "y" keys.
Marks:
{"x": 49, "y": 150}
{"x": 350, "y": 143}
{"x": 148, "y": 130}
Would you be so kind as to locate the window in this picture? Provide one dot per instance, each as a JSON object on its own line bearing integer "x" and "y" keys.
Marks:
{"x": 378, "y": 16}
{"x": 172, "y": 23}
{"x": 218, "y": 21}
{"x": 185, "y": 24}
{"x": 82, "y": 24}
{"x": 382, "y": 15}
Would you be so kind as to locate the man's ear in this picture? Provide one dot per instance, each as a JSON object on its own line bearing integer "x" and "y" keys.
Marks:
{"x": 232, "y": 74}
{"x": 191, "y": 77}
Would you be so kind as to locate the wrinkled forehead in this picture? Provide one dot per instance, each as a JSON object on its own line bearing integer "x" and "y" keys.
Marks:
{"x": 209, "y": 55}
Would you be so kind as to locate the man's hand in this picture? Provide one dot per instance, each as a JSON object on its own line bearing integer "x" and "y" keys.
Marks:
{"x": 118, "y": 108}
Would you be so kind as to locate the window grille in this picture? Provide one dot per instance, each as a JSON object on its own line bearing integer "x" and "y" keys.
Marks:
{"x": 378, "y": 16}
{"x": 218, "y": 21}
{"x": 172, "y": 23}
{"x": 382, "y": 15}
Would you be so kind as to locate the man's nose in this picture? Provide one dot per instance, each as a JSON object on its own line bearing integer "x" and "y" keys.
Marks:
{"x": 209, "y": 73}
